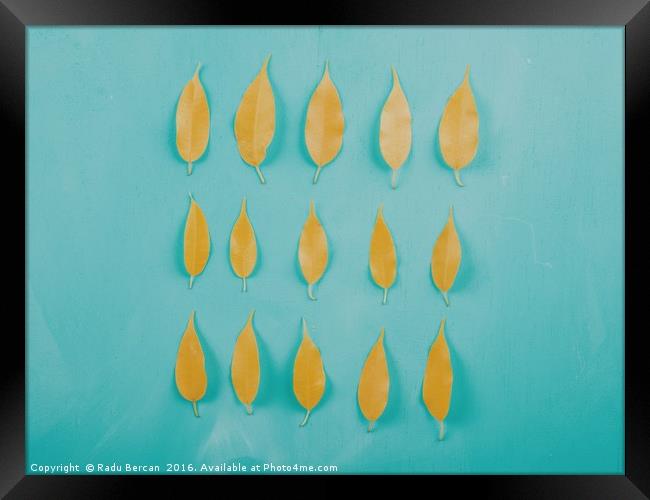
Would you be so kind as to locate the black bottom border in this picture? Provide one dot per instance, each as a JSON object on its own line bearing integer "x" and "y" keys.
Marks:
{"x": 502, "y": 487}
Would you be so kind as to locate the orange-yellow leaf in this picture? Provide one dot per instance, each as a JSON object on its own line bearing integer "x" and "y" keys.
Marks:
{"x": 191, "y": 379}
{"x": 383, "y": 257}
{"x": 196, "y": 247}
{"x": 395, "y": 129}
{"x": 374, "y": 383}
{"x": 325, "y": 123}
{"x": 308, "y": 374}
{"x": 243, "y": 246}
{"x": 458, "y": 131}
{"x": 255, "y": 120}
{"x": 245, "y": 366}
{"x": 446, "y": 257}
{"x": 438, "y": 379}
{"x": 312, "y": 250}
{"x": 192, "y": 121}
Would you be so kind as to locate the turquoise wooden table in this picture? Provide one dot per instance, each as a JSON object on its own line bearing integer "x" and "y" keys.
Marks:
{"x": 535, "y": 325}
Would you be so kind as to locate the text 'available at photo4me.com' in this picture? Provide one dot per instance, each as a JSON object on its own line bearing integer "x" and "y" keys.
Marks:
{"x": 178, "y": 468}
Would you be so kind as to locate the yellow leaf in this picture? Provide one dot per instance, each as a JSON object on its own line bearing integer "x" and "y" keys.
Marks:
{"x": 308, "y": 374}
{"x": 312, "y": 250}
{"x": 245, "y": 366}
{"x": 446, "y": 256}
{"x": 438, "y": 379}
{"x": 383, "y": 258}
{"x": 243, "y": 246}
{"x": 324, "y": 126}
{"x": 191, "y": 379}
{"x": 255, "y": 120}
{"x": 395, "y": 129}
{"x": 192, "y": 121}
{"x": 374, "y": 383}
{"x": 458, "y": 132}
{"x": 196, "y": 248}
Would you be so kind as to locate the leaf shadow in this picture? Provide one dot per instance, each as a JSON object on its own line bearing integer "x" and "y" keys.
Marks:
{"x": 329, "y": 387}
{"x": 280, "y": 136}
{"x": 393, "y": 412}
{"x": 375, "y": 150}
{"x": 467, "y": 271}
{"x": 179, "y": 254}
{"x": 463, "y": 397}
{"x": 304, "y": 152}
{"x": 212, "y": 369}
{"x": 484, "y": 154}
{"x": 269, "y": 373}
{"x": 171, "y": 135}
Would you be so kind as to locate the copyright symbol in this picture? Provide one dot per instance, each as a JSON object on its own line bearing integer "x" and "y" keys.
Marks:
{"x": 90, "y": 468}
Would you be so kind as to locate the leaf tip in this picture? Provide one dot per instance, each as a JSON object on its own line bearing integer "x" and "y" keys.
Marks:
{"x": 394, "y": 73}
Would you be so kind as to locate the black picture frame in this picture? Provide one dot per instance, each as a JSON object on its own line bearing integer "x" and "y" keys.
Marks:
{"x": 17, "y": 15}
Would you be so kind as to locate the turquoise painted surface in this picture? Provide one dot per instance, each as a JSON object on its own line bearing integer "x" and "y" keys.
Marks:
{"x": 536, "y": 321}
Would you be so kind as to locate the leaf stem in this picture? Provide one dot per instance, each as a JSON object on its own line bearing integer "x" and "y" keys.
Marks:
{"x": 249, "y": 409}
{"x": 304, "y": 420}
{"x": 260, "y": 175}
{"x": 317, "y": 174}
{"x": 195, "y": 408}
{"x": 393, "y": 180}
{"x": 446, "y": 297}
{"x": 441, "y": 431}
{"x": 244, "y": 288}
{"x": 189, "y": 168}
{"x": 191, "y": 281}
{"x": 310, "y": 291}
{"x": 457, "y": 177}
{"x": 371, "y": 425}
{"x": 385, "y": 296}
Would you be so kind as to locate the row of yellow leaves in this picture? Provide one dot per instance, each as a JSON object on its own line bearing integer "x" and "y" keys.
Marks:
{"x": 255, "y": 124}
{"x": 309, "y": 375}
{"x": 313, "y": 250}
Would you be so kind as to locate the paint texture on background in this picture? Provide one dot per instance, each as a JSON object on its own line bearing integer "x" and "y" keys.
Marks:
{"x": 536, "y": 327}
